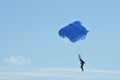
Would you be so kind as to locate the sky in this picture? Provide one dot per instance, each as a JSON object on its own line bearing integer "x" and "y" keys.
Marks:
{"x": 31, "y": 48}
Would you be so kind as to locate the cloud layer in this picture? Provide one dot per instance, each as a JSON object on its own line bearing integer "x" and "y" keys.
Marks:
{"x": 59, "y": 73}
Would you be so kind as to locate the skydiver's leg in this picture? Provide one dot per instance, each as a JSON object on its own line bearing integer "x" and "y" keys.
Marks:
{"x": 82, "y": 67}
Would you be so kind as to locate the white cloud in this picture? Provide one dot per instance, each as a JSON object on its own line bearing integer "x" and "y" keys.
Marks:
{"x": 61, "y": 73}
{"x": 17, "y": 60}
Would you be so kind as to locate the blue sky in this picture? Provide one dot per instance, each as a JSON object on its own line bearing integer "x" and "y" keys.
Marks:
{"x": 31, "y": 49}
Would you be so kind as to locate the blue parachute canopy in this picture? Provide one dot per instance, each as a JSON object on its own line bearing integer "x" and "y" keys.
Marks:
{"x": 74, "y": 31}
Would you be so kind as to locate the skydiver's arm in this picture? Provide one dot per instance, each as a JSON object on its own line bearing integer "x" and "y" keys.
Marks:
{"x": 79, "y": 57}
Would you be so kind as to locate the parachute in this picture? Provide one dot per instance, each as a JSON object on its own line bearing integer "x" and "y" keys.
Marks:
{"x": 73, "y": 31}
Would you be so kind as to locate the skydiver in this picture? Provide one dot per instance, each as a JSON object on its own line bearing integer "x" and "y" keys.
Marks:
{"x": 81, "y": 62}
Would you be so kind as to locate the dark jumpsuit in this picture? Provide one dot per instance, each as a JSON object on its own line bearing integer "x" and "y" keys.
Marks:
{"x": 82, "y": 64}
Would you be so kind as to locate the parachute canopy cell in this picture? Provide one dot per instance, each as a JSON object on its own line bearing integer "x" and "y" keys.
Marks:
{"x": 74, "y": 31}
